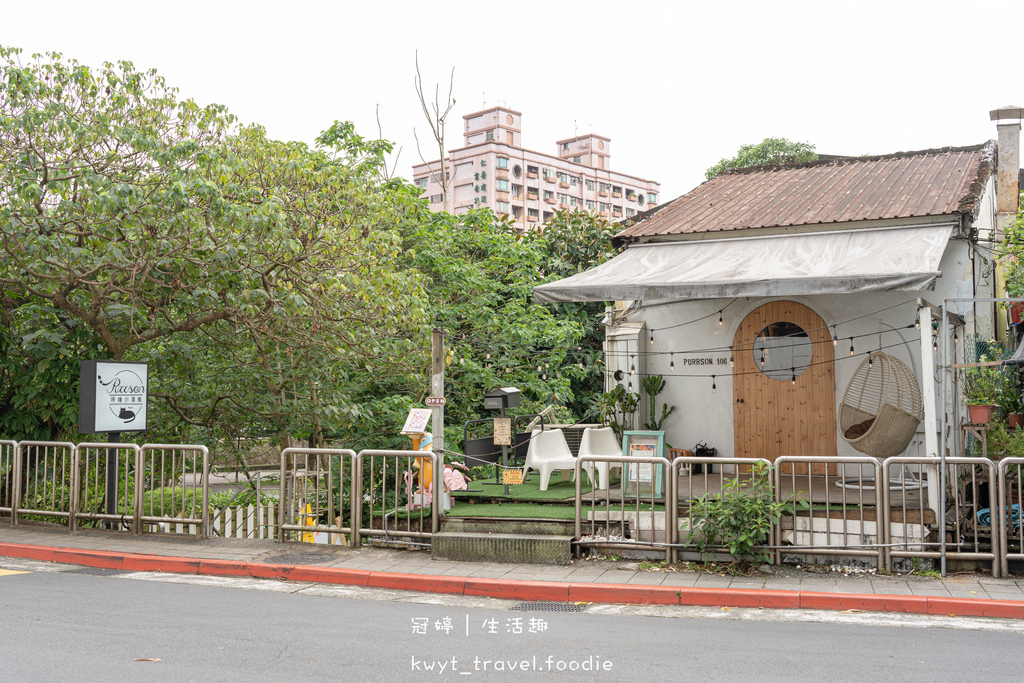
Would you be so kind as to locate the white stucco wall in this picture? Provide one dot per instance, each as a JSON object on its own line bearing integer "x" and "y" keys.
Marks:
{"x": 705, "y": 416}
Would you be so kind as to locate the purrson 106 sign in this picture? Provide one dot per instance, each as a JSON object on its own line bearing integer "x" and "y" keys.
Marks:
{"x": 112, "y": 396}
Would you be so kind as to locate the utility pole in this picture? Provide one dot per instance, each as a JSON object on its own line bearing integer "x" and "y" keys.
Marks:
{"x": 437, "y": 390}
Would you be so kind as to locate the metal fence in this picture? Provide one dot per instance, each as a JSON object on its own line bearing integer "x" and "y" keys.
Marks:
{"x": 318, "y": 491}
{"x": 393, "y": 489}
{"x": 173, "y": 487}
{"x": 636, "y": 516}
{"x": 840, "y": 515}
{"x": 1008, "y": 518}
{"x": 972, "y": 481}
{"x": 694, "y": 480}
{"x": 396, "y": 498}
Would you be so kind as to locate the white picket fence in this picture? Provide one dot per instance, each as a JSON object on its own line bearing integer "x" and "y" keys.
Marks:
{"x": 249, "y": 521}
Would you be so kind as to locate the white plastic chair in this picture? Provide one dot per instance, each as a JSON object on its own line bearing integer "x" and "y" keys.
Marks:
{"x": 547, "y": 452}
{"x": 600, "y": 441}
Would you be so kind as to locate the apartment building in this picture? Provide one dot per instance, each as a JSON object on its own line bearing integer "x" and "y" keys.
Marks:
{"x": 492, "y": 169}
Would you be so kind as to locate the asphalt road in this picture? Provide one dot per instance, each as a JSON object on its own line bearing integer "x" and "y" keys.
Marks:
{"x": 62, "y": 622}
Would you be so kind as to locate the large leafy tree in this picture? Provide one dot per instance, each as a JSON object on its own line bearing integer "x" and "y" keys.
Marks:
{"x": 135, "y": 225}
{"x": 768, "y": 151}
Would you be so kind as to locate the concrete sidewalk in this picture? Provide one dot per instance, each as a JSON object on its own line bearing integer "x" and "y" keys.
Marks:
{"x": 586, "y": 580}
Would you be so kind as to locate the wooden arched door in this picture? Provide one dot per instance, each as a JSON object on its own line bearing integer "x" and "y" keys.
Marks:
{"x": 784, "y": 384}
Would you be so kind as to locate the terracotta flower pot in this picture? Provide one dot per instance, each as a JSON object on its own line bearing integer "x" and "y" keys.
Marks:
{"x": 1015, "y": 420}
{"x": 980, "y": 414}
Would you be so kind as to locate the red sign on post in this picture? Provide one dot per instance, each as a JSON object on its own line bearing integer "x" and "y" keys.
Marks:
{"x": 435, "y": 400}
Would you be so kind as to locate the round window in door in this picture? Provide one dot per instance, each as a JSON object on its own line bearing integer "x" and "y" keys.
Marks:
{"x": 782, "y": 350}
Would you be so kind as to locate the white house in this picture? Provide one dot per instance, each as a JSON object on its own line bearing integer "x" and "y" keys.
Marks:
{"x": 759, "y": 293}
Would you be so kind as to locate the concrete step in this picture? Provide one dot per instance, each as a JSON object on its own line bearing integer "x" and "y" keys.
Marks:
{"x": 475, "y": 546}
{"x": 535, "y": 527}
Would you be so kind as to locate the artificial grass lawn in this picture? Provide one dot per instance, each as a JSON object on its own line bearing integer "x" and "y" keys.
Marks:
{"x": 529, "y": 490}
{"x": 528, "y": 510}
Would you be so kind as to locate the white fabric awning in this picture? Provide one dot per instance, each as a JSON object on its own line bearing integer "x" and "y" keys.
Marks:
{"x": 841, "y": 262}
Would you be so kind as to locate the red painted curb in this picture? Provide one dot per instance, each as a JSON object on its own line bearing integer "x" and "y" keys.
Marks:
{"x": 911, "y": 604}
{"x": 223, "y": 568}
{"x": 451, "y": 585}
{"x": 28, "y": 552}
{"x": 526, "y": 590}
{"x": 158, "y": 563}
{"x": 518, "y": 590}
{"x": 334, "y": 575}
{"x": 743, "y": 597}
{"x": 89, "y": 558}
{"x": 281, "y": 572}
{"x": 623, "y": 594}
{"x": 965, "y": 607}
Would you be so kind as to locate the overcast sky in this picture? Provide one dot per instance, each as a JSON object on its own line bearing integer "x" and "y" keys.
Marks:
{"x": 675, "y": 85}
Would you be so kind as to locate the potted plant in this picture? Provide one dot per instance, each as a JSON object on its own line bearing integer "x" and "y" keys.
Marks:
{"x": 1012, "y": 401}
{"x": 982, "y": 392}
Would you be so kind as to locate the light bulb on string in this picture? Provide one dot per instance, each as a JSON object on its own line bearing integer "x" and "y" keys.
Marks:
{"x": 956, "y": 339}
{"x": 871, "y": 361}
{"x": 762, "y": 359}
{"x": 935, "y": 344}
{"x": 835, "y": 336}
{"x": 652, "y": 336}
{"x": 851, "y": 346}
{"x": 732, "y": 361}
{"x": 632, "y": 367}
{"x": 630, "y": 386}
{"x": 672, "y": 362}
{"x": 544, "y": 376}
{"x": 794, "y": 376}
{"x": 714, "y": 387}
{"x": 720, "y": 317}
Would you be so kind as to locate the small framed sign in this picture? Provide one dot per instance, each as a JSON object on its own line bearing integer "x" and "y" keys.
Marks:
{"x": 112, "y": 396}
{"x": 643, "y": 477}
{"x": 503, "y": 431}
{"x": 417, "y": 421}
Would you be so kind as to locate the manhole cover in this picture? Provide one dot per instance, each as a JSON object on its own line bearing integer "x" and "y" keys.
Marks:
{"x": 96, "y": 571}
{"x": 300, "y": 558}
{"x": 548, "y": 607}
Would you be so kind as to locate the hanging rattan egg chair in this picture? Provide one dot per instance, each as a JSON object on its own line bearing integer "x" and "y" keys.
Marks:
{"x": 881, "y": 408}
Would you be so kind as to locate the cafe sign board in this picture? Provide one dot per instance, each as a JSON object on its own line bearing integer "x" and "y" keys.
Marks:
{"x": 112, "y": 396}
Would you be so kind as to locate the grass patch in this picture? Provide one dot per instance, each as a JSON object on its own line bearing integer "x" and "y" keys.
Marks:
{"x": 529, "y": 490}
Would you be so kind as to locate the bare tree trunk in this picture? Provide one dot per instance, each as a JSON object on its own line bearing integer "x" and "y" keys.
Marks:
{"x": 436, "y": 120}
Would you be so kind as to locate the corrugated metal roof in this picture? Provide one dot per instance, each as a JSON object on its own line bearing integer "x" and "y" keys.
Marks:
{"x": 932, "y": 182}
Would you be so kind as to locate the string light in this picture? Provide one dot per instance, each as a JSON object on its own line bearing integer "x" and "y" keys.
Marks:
{"x": 652, "y": 336}
{"x": 632, "y": 367}
{"x": 672, "y": 362}
{"x": 732, "y": 361}
{"x": 714, "y": 387}
{"x": 762, "y": 359}
{"x": 720, "y": 318}
{"x": 851, "y": 346}
{"x": 835, "y": 336}
{"x": 794, "y": 375}
{"x": 871, "y": 361}
{"x": 630, "y": 387}
{"x": 956, "y": 339}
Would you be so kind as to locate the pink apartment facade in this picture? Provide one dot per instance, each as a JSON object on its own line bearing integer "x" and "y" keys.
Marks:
{"x": 493, "y": 169}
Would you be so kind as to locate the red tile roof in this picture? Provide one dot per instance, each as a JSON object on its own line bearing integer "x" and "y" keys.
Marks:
{"x": 932, "y": 182}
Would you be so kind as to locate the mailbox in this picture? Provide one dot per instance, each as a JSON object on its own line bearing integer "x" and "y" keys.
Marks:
{"x": 501, "y": 399}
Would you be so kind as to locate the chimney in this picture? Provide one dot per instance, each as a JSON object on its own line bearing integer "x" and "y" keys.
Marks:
{"x": 1007, "y": 163}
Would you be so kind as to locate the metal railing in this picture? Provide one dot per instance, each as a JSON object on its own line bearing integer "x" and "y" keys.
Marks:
{"x": 1008, "y": 516}
{"x": 44, "y": 480}
{"x": 842, "y": 516}
{"x": 162, "y": 473}
{"x": 633, "y": 520}
{"x": 314, "y": 485}
{"x": 8, "y": 454}
{"x": 92, "y": 497}
{"x": 691, "y": 487}
{"x": 905, "y": 504}
{"x": 165, "y": 488}
{"x": 394, "y": 489}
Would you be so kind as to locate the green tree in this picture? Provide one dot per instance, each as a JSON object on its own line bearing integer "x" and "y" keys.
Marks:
{"x": 151, "y": 228}
{"x": 768, "y": 151}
